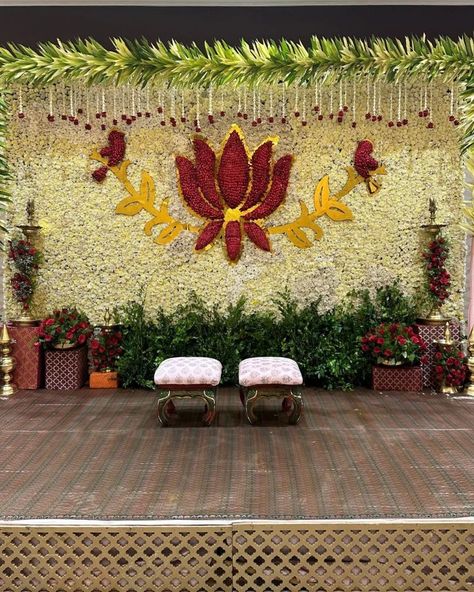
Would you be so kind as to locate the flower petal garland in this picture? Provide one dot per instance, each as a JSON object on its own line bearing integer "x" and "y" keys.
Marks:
{"x": 114, "y": 152}
{"x": 25, "y": 259}
{"x": 366, "y": 165}
{"x": 240, "y": 200}
{"x": 439, "y": 280}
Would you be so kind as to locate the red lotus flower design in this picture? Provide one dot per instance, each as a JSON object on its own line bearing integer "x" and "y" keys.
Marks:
{"x": 234, "y": 194}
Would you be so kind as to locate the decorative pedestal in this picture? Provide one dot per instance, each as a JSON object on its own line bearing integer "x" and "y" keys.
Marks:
{"x": 103, "y": 380}
{"x": 430, "y": 334}
{"x": 28, "y": 372}
{"x": 66, "y": 369}
{"x": 397, "y": 378}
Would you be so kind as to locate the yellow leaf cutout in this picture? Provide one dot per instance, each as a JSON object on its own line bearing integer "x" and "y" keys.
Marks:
{"x": 338, "y": 211}
{"x": 321, "y": 196}
{"x": 298, "y": 238}
{"x": 129, "y": 206}
{"x": 147, "y": 189}
{"x": 169, "y": 233}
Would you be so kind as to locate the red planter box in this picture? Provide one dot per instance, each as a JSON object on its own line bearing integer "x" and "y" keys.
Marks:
{"x": 66, "y": 369}
{"x": 28, "y": 372}
{"x": 397, "y": 378}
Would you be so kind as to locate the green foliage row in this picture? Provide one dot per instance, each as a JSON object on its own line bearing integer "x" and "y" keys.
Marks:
{"x": 326, "y": 345}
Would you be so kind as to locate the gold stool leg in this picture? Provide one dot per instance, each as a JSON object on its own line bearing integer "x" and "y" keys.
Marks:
{"x": 209, "y": 397}
{"x": 251, "y": 395}
{"x": 296, "y": 395}
{"x": 164, "y": 399}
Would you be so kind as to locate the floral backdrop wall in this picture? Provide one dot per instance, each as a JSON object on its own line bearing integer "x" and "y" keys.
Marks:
{"x": 94, "y": 258}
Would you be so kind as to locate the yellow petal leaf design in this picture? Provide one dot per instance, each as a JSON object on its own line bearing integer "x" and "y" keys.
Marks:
{"x": 147, "y": 188}
{"x": 318, "y": 231}
{"x": 169, "y": 233}
{"x": 298, "y": 238}
{"x": 129, "y": 206}
{"x": 339, "y": 211}
{"x": 321, "y": 196}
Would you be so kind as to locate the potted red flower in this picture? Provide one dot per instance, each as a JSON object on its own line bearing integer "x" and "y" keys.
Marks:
{"x": 106, "y": 349}
{"x": 66, "y": 328}
{"x": 450, "y": 368}
{"x": 394, "y": 344}
{"x": 397, "y": 352}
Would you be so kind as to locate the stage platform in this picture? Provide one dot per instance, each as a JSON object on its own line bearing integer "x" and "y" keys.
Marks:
{"x": 370, "y": 491}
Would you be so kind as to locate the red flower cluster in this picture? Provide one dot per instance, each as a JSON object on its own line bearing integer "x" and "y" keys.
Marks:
{"x": 394, "y": 341}
{"x": 106, "y": 349}
{"x": 67, "y": 324}
{"x": 236, "y": 197}
{"x": 450, "y": 366}
{"x": 364, "y": 164}
{"x": 439, "y": 280}
{"x": 115, "y": 153}
{"x": 25, "y": 259}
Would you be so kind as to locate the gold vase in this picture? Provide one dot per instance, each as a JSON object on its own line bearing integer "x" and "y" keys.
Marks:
{"x": 7, "y": 364}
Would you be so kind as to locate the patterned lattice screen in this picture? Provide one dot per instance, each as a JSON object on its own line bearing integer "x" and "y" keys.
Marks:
{"x": 240, "y": 557}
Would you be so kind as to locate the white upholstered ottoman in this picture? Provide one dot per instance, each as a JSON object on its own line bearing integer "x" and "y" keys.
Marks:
{"x": 188, "y": 377}
{"x": 271, "y": 377}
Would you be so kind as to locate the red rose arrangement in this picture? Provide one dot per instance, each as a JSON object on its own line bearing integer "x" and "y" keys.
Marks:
{"x": 395, "y": 342}
{"x": 439, "y": 280}
{"x": 106, "y": 349}
{"x": 25, "y": 259}
{"x": 114, "y": 152}
{"x": 64, "y": 325}
{"x": 450, "y": 366}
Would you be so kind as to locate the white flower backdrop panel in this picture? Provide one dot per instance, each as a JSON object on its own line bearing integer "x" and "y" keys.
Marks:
{"x": 97, "y": 259}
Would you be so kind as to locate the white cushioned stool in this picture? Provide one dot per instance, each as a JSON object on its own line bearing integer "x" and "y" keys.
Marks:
{"x": 188, "y": 377}
{"x": 271, "y": 377}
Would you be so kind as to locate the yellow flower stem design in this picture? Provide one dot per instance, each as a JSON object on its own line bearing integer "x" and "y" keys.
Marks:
{"x": 324, "y": 204}
{"x": 144, "y": 199}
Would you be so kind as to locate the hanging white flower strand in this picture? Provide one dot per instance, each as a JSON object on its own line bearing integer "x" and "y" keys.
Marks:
{"x": 296, "y": 108}
{"x": 210, "y": 110}
{"x": 63, "y": 102}
{"x": 374, "y": 102}
{"x": 405, "y": 103}
{"x": 390, "y": 122}
{"x": 197, "y": 122}
{"x": 139, "y": 102}
{"x": 271, "y": 117}
{"x": 331, "y": 100}
{"x": 320, "y": 103}
{"x": 72, "y": 117}
{"x": 354, "y": 123}
{"x": 173, "y": 107}
{"x": 104, "y": 111}
{"x": 124, "y": 115}
{"x": 88, "y": 125}
{"x": 379, "y": 110}
{"x": 340, "y": 113}
{"x": 239, "y": 99}
{"x": 283, "y": 104}
{"x": 50, "y": 101}
{"x": 368, "y": 114}
{"x": 147, "y": 102}
{"x": 316, "y": 97}
{"x": 245, "y": 114}
{"x": 259, "y": 106}
{"x": 303, "y": 111}
{"x": 183, "y": 110}
{"x": 222, "y": 111}
{"x": 254, "y": 108}
{"x": 453, "y": 107}
{"x": 114, "y": 105}
{"x": 430, "y": 124}
{"x": 161, "y": 107}
{"x": 345, "y": 106}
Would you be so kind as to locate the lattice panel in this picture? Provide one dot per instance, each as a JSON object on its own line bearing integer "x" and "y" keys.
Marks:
{"x": 86, "y": 560}
{"x": 377, "y": 559}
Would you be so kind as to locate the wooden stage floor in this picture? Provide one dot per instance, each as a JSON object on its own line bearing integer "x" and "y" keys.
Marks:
{"x": 103, "y": 455}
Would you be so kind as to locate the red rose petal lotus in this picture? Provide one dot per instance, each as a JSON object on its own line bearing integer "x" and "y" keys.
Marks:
{"x": 234, "y": 194}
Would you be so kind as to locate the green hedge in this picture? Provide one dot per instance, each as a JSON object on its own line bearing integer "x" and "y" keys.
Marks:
{"x": 325, "y": 344}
